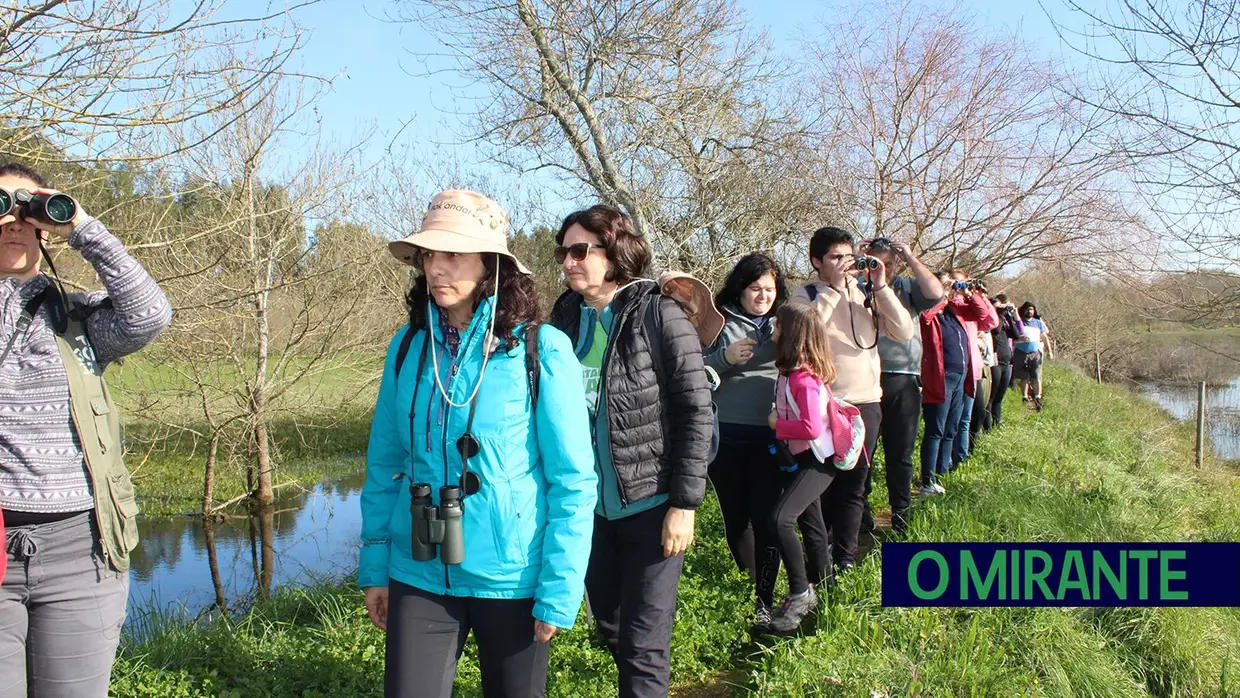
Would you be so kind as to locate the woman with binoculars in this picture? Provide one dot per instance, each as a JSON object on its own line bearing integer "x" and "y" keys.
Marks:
{"x": 477, "y": 511}
{"x": 66, "y": 499}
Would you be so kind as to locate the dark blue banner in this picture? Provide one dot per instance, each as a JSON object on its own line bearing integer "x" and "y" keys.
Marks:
{"x": 1061, "y": 574}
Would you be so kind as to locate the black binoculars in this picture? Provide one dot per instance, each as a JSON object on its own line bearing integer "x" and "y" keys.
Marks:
{"x": 866, "y": 263}
{"x": 437, "y": 526}
{"x": 57, "y": 209}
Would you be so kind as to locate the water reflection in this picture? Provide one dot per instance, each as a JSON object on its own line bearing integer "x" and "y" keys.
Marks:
{"x": 189, "y": 566}
{"x": 1222, "y": 411}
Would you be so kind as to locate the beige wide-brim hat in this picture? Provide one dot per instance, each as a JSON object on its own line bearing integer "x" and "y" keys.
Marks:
{"x": 459, "y": 221}
{"x": 699, "y": 305}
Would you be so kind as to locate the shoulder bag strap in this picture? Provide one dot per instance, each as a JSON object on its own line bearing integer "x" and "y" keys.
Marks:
{"x": 23, "y": 322}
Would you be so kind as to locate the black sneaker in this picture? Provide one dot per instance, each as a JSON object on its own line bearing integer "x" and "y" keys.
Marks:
{"x": 867, "y": 523}
{"x": 793, "y": 611}
{"x": 1037, "y": 403}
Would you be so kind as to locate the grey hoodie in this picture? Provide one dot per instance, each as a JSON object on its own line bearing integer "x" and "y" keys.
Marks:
{"x": 746, "y": 391}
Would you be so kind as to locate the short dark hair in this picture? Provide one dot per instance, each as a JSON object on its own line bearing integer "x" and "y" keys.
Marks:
{"x": 16, "y": 169}
{"x": 826, "y": 238}
{"x": 749, "y": 269}
{"x": 628, "y": 252}
{"x": 1002, "y": 297}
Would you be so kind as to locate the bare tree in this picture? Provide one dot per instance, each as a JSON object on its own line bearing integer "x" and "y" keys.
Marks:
{"x": 267, "y": 305}
{"x": 1170, "y": 72}
{"x": 963, "y": 144}
{"x": 673, "y": 110}
{"x": 93, "y": 76}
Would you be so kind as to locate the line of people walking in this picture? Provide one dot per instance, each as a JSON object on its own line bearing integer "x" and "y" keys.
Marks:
{"x": 515, "y": 467}
{"x": 922, "y": 348}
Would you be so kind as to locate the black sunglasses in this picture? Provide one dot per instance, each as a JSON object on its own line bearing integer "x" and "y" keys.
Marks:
{"x": 578, "y": 251}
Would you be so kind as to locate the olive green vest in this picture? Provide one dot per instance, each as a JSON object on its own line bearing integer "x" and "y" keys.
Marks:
{"x": 98, "y": 427}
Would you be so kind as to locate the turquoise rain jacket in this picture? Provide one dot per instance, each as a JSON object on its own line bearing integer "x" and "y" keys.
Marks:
{"x": 528, "y": 529}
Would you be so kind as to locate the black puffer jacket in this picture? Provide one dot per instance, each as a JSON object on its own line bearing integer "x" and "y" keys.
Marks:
{"x": 660, "y": 436}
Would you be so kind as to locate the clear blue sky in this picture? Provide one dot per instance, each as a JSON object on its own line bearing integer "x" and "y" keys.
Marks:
{"x": 376, "y": 84}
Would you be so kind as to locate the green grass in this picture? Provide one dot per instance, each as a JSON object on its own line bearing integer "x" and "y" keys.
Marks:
{"x": 1097, "y": 464}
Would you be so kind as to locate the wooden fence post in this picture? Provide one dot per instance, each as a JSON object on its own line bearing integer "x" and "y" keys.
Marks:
{"x": 1201, "y": 423}
{"x": 1098, "y": 366}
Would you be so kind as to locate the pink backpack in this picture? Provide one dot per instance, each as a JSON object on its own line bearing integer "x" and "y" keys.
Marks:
{"x": 844, "y": 426}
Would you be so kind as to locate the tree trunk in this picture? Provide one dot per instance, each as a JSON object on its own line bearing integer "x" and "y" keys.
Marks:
{"x": 208, "y": 479}
{"x": 262, "y": 260}
{"x": 221, "y": 602}
{"x": 263, "y": 549}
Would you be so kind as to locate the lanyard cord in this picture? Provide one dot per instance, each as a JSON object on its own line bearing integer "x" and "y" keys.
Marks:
{"x": 487, "y": 339}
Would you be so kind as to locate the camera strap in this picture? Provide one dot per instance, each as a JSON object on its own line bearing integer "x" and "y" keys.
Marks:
{"x": 23, "y": 321}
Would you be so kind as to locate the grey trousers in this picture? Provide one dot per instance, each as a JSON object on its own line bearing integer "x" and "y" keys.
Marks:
{"x": 61, "y": 611}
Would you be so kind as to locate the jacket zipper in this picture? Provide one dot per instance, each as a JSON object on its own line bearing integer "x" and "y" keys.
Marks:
{"x": 619, "y": 322}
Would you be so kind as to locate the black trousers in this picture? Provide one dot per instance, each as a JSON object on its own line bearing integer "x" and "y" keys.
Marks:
{"x": 844, "y": 502}
{"x": 901, "y": 407}
{"x": 632, "y": 590}
{"x": 981, "y": 408}
{"x": 747, "y": 484}
{"x": 802, "y": 491}
{"x": 426, "y": 635}
{"x": 1001, "y": 380}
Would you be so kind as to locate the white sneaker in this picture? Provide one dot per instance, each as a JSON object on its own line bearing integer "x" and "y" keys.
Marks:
{"x": 938, "y": 489}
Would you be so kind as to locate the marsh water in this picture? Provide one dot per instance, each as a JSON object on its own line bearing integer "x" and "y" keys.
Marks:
{"x": 185, "y": 567}
{"x": 1222, "y": 411}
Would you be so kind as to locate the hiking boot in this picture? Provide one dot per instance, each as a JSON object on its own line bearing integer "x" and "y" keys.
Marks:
{"x": 867, "y": 523}
{"x": 793, "y": 611}
{"x": 762, "y": 614}
{"x": 1037, "y": 403}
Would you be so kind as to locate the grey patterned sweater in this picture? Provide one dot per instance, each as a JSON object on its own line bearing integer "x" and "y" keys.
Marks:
{"x": 41, "y": 464}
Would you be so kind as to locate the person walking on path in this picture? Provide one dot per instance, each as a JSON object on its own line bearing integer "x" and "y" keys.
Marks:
{"x": 66, "y": 499}
{"x": 480, "y": 426}
{"x": 1028, "y": 353}
{"x": 744, "y": 474}
{"x": 901, "y": 377}
{"x": 650, "y": 414}
{"x": 856, "y": 307}
{"x": 946, "y": 372}
{"x": 808, "y": 425}
{"x": 968, "y": 288}
{"x": 1009, "y": 329}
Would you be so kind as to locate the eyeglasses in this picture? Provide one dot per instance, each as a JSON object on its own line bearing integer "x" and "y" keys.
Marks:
{"x": 578, "y": 251}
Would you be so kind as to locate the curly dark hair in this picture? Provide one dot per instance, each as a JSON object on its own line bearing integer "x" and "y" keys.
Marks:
{"x": 629, "y": 253}
{"x": 518, "y": 299}
{"x": 16, "y": 169}
{"x": 749, "y": 269}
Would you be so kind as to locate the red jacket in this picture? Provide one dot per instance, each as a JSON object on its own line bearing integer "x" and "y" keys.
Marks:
{"x": 976, "y": 314}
